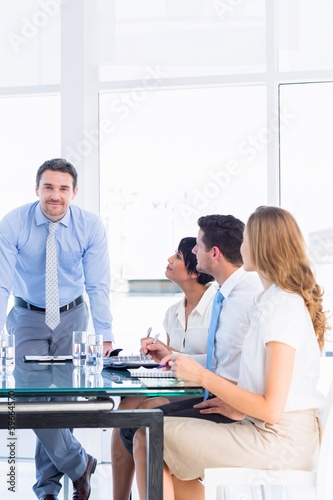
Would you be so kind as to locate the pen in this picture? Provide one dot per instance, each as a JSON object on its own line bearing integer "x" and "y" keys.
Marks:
{"x": 156, "y": 338}
{"x": 149, "y": 331}
{"x": 163, "y": 366}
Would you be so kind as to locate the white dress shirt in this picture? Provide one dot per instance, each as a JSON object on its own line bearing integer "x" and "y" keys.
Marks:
{"x": 193, "y": 339}
{"x": 239, "y": 291}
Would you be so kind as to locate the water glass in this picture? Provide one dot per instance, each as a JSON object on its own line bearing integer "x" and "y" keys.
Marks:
{"x": 79, "y": 347}
{"x": 7, "y": 353}
{"x": 79, "y": 376}
{"x": 95, "y": 353}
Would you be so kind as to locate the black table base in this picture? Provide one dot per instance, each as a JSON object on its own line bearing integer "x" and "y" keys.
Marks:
{"x": 58, "y": 415}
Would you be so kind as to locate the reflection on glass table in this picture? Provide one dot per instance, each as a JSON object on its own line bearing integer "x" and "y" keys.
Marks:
{"x": 49, "y": 379}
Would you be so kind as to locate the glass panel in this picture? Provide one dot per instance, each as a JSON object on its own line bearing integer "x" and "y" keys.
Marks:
{"x": 305, "y": 35}
{"x": 168, "y": 157}
{"x": 180, "y": 38}
{"x": 30, "y": 48}
{"x": 307, "y": 174}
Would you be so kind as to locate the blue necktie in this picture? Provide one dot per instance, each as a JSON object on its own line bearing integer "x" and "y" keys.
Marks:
{"x": 214, "y": 323}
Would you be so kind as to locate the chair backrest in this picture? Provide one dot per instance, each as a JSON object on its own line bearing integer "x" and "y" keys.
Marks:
{"x": 325, "y": 462}
{"x": 328, "y": 406}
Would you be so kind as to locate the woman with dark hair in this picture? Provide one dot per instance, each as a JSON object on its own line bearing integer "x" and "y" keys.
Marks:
{"x": 186, "y": 324}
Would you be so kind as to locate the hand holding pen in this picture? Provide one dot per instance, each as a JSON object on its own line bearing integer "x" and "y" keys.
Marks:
{"x": 154, "y": 347}
{"x": 166, "y": 362}
{"x": 164, "y": 365}
{"x": 156, "y": 336}
{"x": 145, "y": 341}
{"x": 184, "y": 367}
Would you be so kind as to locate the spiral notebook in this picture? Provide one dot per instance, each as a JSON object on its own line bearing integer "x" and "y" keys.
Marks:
{"x": 143, "y": 372}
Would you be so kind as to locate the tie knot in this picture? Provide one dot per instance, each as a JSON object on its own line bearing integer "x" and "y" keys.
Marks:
{"x": 53, "y": 226}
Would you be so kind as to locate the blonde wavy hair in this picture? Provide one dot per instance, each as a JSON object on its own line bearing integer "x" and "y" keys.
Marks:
{"x": 278, "y": 250}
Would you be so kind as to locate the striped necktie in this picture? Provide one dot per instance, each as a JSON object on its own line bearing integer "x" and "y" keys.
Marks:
{"x": 213, "y": 326}
{"x": 52, "y": 314}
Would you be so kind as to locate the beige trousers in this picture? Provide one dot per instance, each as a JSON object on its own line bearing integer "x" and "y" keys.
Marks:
{"x": 191, "y": 445}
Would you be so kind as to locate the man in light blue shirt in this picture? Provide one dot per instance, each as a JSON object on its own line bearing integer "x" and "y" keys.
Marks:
{"x": 82, "y": 266}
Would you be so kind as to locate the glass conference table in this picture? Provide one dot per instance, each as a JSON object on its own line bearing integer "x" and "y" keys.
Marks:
{"x": 57, "y": 395}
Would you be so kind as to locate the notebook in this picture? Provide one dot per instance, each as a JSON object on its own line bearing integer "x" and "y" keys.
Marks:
{"x": 129, "y": 361}
{"x": 143, "y": 372}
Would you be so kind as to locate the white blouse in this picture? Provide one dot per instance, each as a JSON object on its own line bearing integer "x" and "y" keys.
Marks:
{"x": 281, "y": 316}
{"x": 193, "y": 341}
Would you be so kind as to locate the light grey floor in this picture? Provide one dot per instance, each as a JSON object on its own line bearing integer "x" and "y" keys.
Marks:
{"x": 25, "y": 470}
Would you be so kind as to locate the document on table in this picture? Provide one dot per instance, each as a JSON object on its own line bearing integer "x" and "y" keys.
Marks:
{"x": 143, "y": 372}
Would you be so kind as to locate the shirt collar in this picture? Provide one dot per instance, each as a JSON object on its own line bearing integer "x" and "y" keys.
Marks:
{"x": 230, "y": 283}
{"x": 206, "y": 298}
{"x": 41, "y": 219}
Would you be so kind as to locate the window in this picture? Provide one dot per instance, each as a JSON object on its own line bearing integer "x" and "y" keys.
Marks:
{"x": 307, "y": 174}
{"x": 171, "y": 156}
{"x": 30, "y": 134}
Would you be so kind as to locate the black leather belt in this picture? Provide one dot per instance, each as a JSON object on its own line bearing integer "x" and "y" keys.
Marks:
{"x": 22, "y": 303}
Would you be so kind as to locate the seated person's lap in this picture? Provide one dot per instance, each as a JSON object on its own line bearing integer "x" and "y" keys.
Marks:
{"x": 182, "y": 408}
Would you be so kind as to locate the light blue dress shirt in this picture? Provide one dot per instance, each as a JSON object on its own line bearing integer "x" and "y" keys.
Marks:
{"x": 83, "y": 261}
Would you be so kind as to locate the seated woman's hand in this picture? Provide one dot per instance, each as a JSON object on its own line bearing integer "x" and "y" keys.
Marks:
{"x": 157, "y": 351}
{"x": 184, "y": 367}
{"x": 216, "y": 405}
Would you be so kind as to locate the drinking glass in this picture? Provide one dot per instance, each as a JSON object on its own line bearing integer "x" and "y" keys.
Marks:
{"x": 95, "y": 353}
{"x": 79, "y": 347}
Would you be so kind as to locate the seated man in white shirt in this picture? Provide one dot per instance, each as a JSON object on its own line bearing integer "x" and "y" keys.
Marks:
{"x": 218, "y": 254}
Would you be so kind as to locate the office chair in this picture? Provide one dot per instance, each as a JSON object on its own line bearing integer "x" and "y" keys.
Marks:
{"x": 259, "y": 484}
